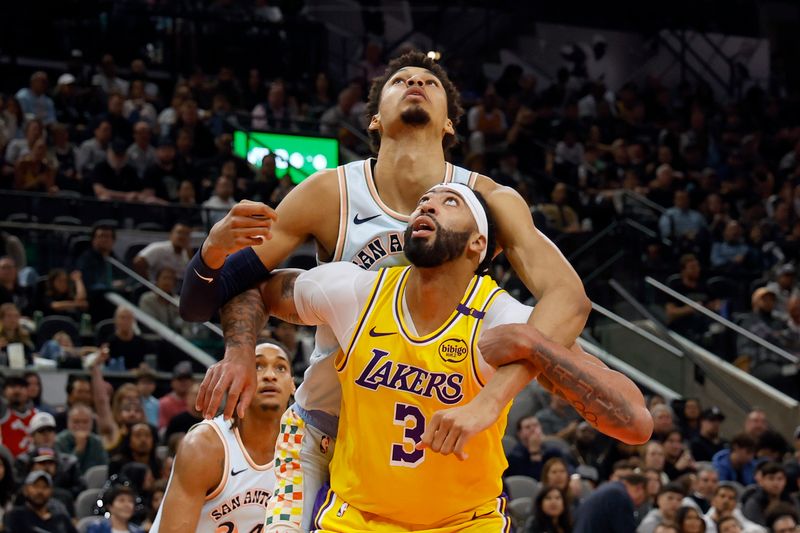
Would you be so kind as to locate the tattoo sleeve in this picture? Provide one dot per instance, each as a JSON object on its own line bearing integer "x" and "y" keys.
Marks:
{"x": 243, "y": 318}
{"x": 588, "y": 390}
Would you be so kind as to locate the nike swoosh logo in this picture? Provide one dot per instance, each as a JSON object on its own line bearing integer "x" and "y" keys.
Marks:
{"x": 235, "y": 473}
{"x": 207, "y": 280}
{"x": 357, "y": 220}
{"x": 373, "y": 333}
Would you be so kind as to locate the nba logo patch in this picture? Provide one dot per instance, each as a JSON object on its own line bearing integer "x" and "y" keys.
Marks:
{"x": 453, "y": 350}
{"x": 324, "y": 443}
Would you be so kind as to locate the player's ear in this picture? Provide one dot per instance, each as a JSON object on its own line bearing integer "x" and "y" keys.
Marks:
{"x": 375, "y": 123}
{"x": 448, "y": 127}
{"x": 478, "y": 244}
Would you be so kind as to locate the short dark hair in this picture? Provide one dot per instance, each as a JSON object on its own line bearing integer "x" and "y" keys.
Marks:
{"x": 770, "y": 467}
{"x": 686, "y": 259}
{"x": 743, "y": 440}
{"x": 637, "y": 480}
{"x": 780, "y": 510}
{"x": 414, "y": 59}
{"x": 724, "y": 519}
{"x": 73, "y": 378}
{"x": 773, "y": 441}
{"x": 673, "y": 486}
{"x": 103, "y": 227}
{"x": 115, "y": 492}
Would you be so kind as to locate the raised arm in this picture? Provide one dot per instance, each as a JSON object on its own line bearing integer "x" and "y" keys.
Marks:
{"x": 199, "y": 468}
{"x": 106, "y": 425}
{"x": 209, "y": 283}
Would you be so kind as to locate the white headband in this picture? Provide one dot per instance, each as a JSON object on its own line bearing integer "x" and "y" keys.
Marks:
{"x": 475, "y": 207}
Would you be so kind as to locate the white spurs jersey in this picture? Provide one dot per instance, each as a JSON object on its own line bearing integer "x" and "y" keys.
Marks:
{"x": 239, "y": 503}
{"x": 371, "y": 236}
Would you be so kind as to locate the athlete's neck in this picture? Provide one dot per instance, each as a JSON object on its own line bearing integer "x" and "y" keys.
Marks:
{"x": 407, "y": 167}
{"x": 259, "y": 431}
{"x": 432, "y": 294}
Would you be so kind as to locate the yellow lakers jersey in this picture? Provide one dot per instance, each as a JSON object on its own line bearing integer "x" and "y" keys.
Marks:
{"x": 392, "y": 384}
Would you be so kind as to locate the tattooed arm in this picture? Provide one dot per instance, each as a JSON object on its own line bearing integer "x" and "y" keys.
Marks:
{"x": 607, "y": 399}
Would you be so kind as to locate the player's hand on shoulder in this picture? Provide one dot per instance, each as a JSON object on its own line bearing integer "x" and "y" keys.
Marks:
{"x": 233, "y": 378}
{"x": 246, "y": 224}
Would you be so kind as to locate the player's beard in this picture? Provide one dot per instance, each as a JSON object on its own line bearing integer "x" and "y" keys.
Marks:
{"x": 446, "y": 246}
{"x": 415, "y": 116}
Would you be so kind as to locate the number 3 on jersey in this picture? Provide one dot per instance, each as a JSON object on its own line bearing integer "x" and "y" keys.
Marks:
{"x": 413, "y": 422}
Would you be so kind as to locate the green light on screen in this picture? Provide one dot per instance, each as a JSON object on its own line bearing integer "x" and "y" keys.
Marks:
{"x": 298, "y": 155}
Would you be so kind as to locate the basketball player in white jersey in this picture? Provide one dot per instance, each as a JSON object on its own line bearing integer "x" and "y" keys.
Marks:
{"x": 355, "y": 213}
{"x": 223, "y": 476}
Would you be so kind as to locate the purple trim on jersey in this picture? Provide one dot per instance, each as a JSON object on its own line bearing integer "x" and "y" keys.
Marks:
{"x": 469, "y": 311}
{"x": 319, "y": 501}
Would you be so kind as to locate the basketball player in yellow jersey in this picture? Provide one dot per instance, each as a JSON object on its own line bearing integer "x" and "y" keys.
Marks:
{"x": 408, "y": 340}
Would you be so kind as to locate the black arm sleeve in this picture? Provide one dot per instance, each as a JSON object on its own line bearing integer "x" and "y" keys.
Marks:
{"x": 205, "y": 290}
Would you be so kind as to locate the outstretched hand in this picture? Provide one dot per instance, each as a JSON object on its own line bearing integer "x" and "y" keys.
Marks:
{"x": 246, "y": 224}
{"x": 233, "y": 378}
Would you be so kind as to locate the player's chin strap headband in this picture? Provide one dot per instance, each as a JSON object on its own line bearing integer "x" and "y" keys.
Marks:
{"x": 475, "y": 207}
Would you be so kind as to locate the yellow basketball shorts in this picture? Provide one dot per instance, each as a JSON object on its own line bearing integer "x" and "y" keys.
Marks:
{"x": 334, "y": 515}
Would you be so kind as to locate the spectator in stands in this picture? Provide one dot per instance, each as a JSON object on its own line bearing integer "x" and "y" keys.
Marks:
{"x": 63, "y": 294}
{"x": 771, "y": 481}
{"x": 64, "y": 154}
{"x": 586, "y": 447}
{"x": 138, "y": 446}
{"x": 275, "y": 113}
{"x": 756, "y": 423}
{"x": 115, "y": 178}
{"x": 160, "y": 308}
{"x": 136, "y": 109}
{"x": 34, "y": 100}
{"x": 189, "y": 120}
{"x": 79, "y": 439}
{"x": 724, "y": 504}
{"x": 663, "y": 421}
{"x": 345, "y": 113}
{"x": 683, "y": 318}
{"x": 222, "y": 119}
{"x": 221, "y": 201}
{"x": 727, "y": 524}
{"x": 12, "y": 332}
{"x": 486, "y": 123}
{"x": 163, "y": 177}
{"x": 785, "y": 287}
{"x": 119, "y": 503}
{"x": 114, "y": 418}
{"x": 36, "y": 171}
{"x": 265, "y": 182}
{"x": 653, "y": 458}
{"x": 34, "y": 381}
{"x": 530, "y": 453}
{"x": 139, "y": 72}
{"x": 141, "y": 153}
{"x": 690, "y": 520}
{"x": 551, "y": 514}
{"x": 156, "y": 498}
{"x": 736, "y": 463}
{"x": 174, "y": 402}
{"x": 107, "y": 78}
{"x": 173, "y": 254}
{"x": 126, "y": 348}
{"x": 93, "y": 151}
{"x": 790, "y": 335}
{"x": 121, "y": 128}
{"x": 13, "y": 118}
{"x": 10, "y": 289}
{"x": 8, "y": 485}
{"x": 622, "y": 496}
{"x": 783, "y": 520}
{"x": 678, "y": 458}
{"x": 708, "y": 441}
{"x": 169, "y": 115}
{"x": 96, "y": 270}
{"x": 771, "y": 446}
{"x": 38, "y": 513}
{"x": 685, "y": 227}
{"x": 732, "y": 256}
{"x": 765, "y": 323}
{"x": 17, "y": 148}
{"x": 79, "y": 392}
{"x": 182, "y": 422}
{"x": 703, "y": 489}
{"x": 11, "y": 246}
{"x": 560, "y": 216}
{"x": 146, "y": 383}
{"x": 669, "y": 501}
{"x": 690, "y": 418}
{"x": 15, "y": 415}
{"x": 69, "y": 101}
